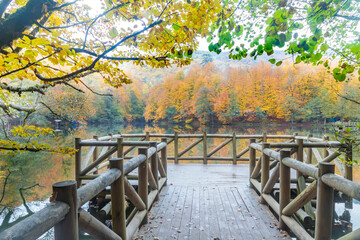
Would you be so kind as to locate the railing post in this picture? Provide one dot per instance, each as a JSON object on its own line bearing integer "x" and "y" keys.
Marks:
{"x": 348, "y": 172}
{"x": 78, "y": 161}
{"x": 164, "y": 157}
{"x": 348, "y": 162}
{"x": 309, "y": 153}
{"x": 234, "y": 148}
{"x": 325, "y": 151}
{"x": 300, "y": 154}
{"x": 155, "y": 168}
{"x": 96, "y": 153}
{"x": 147, "y": 136}
{"x": 143, "y": 181}
{"x": 265, "y": 170}
{"x": 324, "y": 204}
{"x": 284, "y": 185}
{"x": 205, "y": 148}
{"x": 252, "y": 159}
{"x": 118, "y": 212}
{"x": 67, "y": 229}
{"x": 176, "y": 147}
{"x": 264, "y": 138}
{"x": 120, "y": 147}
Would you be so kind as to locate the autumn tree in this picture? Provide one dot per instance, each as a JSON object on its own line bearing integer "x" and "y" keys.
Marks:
{"x": 45, "y": 43}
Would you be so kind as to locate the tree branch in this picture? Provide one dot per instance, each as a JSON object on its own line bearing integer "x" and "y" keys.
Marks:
{"x": 13, "y": 26}
{"x": 75, "y": 74}
{"x": 38, "y": 88}
{"x": 62, "y": 6}
{"x": 100, "y": 94}
{"x": 66, "y": 78}
{"x": 6, "y": 107}
{"x": 54, "y": 113}
{"x": 347, "y": 98}
{"x": 79, "y": 50}
{"x": 3, "y": 5}
{"x": 352, "y": 18}
{"x": 26, "y": 66}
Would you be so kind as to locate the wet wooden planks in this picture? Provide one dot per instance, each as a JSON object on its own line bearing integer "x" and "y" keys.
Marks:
{"x": 226, "y": 209}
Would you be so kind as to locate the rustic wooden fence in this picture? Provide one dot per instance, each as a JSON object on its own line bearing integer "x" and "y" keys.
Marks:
{"x": 181, "y": 150}
{"x": 64, "y": 213}
{"x": 315, "y": 179}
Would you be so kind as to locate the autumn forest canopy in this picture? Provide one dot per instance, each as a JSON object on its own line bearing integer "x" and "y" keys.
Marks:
{"x": 73, "y": 59}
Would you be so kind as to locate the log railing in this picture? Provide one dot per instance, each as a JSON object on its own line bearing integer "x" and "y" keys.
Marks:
{"x": 176, "y": 143}
{"x": 313, "y": 180}
{"x": 64, "y": 213}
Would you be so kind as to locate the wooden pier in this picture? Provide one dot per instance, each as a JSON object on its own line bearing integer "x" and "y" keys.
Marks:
{"x": 140, "y": 181}
{"x": 209, "y": 202}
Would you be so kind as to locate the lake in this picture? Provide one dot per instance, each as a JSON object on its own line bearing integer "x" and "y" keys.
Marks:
{"x": 29, "y": 176}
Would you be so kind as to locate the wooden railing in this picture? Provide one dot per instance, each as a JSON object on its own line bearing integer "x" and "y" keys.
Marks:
{"x": 315, "y": 178}
{"x": 64, "y": 213}
{"x": 175, "y": 142}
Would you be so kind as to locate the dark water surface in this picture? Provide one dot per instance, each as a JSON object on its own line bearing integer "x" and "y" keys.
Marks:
{"x": 29, "y": 176}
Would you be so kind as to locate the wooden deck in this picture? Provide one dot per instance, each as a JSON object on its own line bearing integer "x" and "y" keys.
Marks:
{"x": 209, "y": 202}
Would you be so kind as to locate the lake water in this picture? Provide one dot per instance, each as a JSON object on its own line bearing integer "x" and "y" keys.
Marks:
{"x": 29, "y": 176}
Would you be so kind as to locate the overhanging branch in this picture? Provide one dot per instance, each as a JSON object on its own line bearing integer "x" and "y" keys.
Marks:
{"x": 76, "y": 74}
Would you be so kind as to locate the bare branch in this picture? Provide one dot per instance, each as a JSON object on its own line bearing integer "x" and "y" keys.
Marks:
{"x": 100, "y": 94}
{"x": 54, "y": 113}
{"x": 5, "y": 182}
{"x": 351, "y": 18}
{"x": 6, "y": 107}
{"x": 348, "y": 99}
{"x": 64, "y": 5}
{"x": 73, "y": 87}
{"x": 37, "y": 88}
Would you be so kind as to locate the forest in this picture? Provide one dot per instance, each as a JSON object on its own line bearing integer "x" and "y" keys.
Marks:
{"x": 211, "y": 91}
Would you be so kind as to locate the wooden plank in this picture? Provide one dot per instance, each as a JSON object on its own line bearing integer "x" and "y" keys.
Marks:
{"x": 195, "y": 214}
{"x": 249, "y": 222}
{"x": 204, "y": 216}
{"x": 220, "y": 211}
{"x": 265, "y": 218}
{"x": 235, "y": 232}
{"x": 184, "y": 228}
{"x": 244, "y": 231}
{"x": 168, "y": 211}
{"x": 178, "y": 214}
{"x": 214, "y": 228}
{"x": 159, "y": 211}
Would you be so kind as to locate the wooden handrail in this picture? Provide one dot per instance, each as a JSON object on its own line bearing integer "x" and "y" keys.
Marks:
{"x": 54, "y": 214}
{"x": 38, "y": 223}
{"x": 324, "y": 186}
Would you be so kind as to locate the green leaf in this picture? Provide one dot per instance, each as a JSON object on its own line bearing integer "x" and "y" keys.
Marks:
{"x": 278, "y": 63}
{"x": 336, "y": 70}
{"x": 272, "y": 60}
{"x": 113, "y": 32}
{"x": 298, "y": 59}
{"x": 175, "y": 27}
{"x": 340, "y": 77}
{"x": 317, "y": 56}
{"x": 324, "y": 47}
